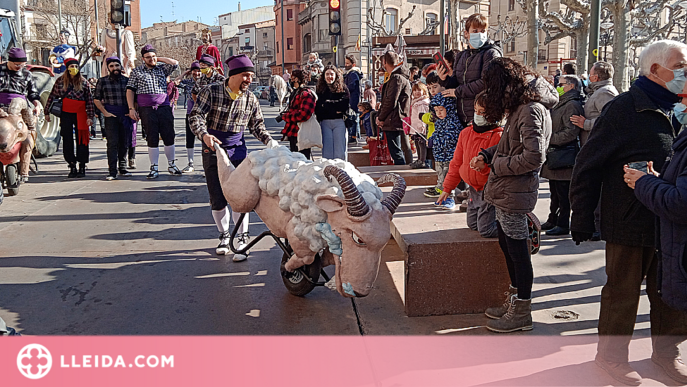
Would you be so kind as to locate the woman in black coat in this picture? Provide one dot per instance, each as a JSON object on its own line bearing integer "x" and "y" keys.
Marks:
{"x": 332, "y": 103}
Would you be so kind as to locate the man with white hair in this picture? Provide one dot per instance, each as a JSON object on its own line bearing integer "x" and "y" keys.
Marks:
{"x": 637, "y": 126}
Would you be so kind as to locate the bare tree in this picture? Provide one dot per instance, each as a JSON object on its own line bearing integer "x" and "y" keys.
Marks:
{"x": 508, "y": 29}
{"x": 378, "y": 28}
{"x": 573, "y": 22}
{"x": 77, "y": 18}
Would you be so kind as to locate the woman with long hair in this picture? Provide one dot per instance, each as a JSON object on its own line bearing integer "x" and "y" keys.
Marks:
{"x": 332, "y": 103}
{"x": 523, "y": 97}
{"x": 78, "y": 112}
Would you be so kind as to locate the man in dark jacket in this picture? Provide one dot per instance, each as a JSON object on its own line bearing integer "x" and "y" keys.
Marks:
{"x": 352, "y": 77}
{"x": 395, "y": 105}
{"x": 636, "y": 126}
{"x": 466, "y": 81}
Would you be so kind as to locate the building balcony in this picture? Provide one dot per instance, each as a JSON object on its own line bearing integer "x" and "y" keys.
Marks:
{"x": 266, "y": 53}
{"x": 265, "y": 72}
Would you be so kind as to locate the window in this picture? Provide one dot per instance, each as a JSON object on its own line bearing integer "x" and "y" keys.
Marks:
{"x": 511, "y": 5}
{"x": 231, "y": 51}
{"x": 289, "y": 14}
{"x": 431, "y": 19}
{"x": 41, "y": 31}
{"x": 510, "y": 47}
{"x": 289, "y": 43}
{"x": 408, "y": 31}
{"x": 391, "y": 20}
{"x": 247, "y": 31}
{"x": 277, "y": 47}
{"x": 247, "y": 42}
{"x": 541, "y": 57}
{"x": 573, "y": 47}
{"x": 264, "y": 35}
{"x": 307, "y": 40}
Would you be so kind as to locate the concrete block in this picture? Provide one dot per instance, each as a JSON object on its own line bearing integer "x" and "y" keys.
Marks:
{"x": 449, "y": 269}
{"x": 359, "y": 157}
{"x": 413, "y": 177}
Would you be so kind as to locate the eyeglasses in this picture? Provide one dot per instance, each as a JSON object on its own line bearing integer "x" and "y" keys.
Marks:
{"x": 149, "y": 57}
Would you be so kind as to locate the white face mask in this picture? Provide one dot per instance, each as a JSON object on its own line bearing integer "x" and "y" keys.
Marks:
{"x": 480, "y": 120}
{"x": 478, "y": 39}
{"x": 381, "y": 79}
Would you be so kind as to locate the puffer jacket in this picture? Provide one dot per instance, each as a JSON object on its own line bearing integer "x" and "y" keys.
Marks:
{"x": 563, "y": 131}
{"x": 447, "y": 130}
{"x": 665, "y": 197}
{"x": 467, "y": 76}
{"x": 599, "y": 94}
{"x": 396, "y": 97}
{"x": 419, "y": 106}
{"x": 515, "y": 162}
{"x": 470, "y": 143}
{"x": 352, "y": 79}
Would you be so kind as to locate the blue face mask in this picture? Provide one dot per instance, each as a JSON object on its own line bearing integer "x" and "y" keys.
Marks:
{"x": 678, "y": 83}
{"x": 585, "y": 82}
{"x": 680, "y": 111}
{"x": 478, "y": 39}
{"x": 423, "y": 80}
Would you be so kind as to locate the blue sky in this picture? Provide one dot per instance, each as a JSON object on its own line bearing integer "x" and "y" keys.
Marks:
{"x": 152, "y": 10}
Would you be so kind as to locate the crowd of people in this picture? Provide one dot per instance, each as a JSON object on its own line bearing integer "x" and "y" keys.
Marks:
{"x": 489, "y": 126}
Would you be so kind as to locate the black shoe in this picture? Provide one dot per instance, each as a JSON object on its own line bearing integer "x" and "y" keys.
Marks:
{"x": 596, "y": 237}
{"x": 547, "y": 226}
{"x": 124, "y": 172}
{"x": 82, "y": 170}
{"x": 558, "y": 231}
{"x": 72, "y": 171}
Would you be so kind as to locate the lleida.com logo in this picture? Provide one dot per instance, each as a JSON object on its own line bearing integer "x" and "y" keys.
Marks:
{"x": 34, "y": 361}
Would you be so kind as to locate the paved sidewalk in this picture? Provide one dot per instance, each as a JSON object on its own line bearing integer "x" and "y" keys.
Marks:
{"x": 133, "y": 257}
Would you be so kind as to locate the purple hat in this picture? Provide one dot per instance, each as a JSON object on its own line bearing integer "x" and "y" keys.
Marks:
{"x": 147, "y": 48}
{"x": 16, "y": 54}
{"x": 113, "y": 59}
{"x": 207, "y": 59}
{"x": 195, "y": 65}
{"x": 238, "y": 64}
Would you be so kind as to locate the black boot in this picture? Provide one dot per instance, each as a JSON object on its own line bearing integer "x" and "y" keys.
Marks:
{"x": 72, "y": 170}
{"x": 82, "y": 170}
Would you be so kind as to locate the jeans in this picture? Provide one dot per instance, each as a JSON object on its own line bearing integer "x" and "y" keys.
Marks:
{"x": 559, "y": 208}
{"x": 481, "y": 215}
{"x": 393, "y": 140}
{"x": 334, "y": 139}
{"x": 354, "y": 130}
{"x": 405, "y": 146}
{"x": 421, "y": 146}
{"x": 117, "y": 144}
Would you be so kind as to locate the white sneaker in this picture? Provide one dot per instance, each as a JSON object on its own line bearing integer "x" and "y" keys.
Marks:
{"x": 223, "y": 247}
{"x": 173, "y": 169}
{"x": 243, "y": 242}
{"x": 189, "y": 168}
{"x": 24, "y": 179}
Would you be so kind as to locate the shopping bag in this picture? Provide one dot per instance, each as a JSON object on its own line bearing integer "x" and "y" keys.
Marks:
{"x": 379, "y": 151}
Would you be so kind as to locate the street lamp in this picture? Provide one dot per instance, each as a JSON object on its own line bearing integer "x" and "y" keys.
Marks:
{"x": 606, "y": 35}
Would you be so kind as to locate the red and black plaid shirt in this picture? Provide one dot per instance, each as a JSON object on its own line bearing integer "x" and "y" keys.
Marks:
{"x": 301, "y": 108}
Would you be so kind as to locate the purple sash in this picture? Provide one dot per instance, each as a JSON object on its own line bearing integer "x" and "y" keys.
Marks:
{"x": 6, "y": 98}
{"x": 152, "y": 100}
{"x": 233, "y": 143}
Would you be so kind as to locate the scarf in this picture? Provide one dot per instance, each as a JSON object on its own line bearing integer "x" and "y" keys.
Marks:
{"x": 663, "y": 97}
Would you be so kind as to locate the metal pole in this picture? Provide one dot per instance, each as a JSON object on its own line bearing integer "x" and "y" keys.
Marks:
{"x": 442, "y": 18}
{"x": 594, "y": 29}
{"x": 283, "y": 49}
{"x": 59, "y": 15}
{"x": 119, "y": 44}
{"x": 97, "y": 35}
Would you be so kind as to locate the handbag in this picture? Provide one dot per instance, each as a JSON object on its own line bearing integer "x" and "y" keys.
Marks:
{"x": 349, "y": 117}
{"x": 559, "y": 157}
{"x": 379, "y": 152}
{"x": 56, "y": 107}
{"x": 309, "y": 133}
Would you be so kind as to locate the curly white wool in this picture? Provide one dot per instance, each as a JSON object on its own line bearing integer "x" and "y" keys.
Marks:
{"x": 297, "y": 182}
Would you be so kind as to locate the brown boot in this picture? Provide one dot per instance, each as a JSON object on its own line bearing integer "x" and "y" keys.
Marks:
{"x": 673, "y": 367}
{"x": 497, "y": 312}
{"x": 621, "y": 372}
{"x": 518, "y": 317}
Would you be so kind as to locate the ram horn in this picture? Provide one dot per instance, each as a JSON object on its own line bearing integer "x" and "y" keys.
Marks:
{"x": 355, "y": 203}
{"x": 394, "y": 198}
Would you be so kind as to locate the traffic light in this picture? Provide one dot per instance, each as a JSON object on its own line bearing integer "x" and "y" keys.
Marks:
{"x": 334, "y": 17}
{"x": 117, "y": 11}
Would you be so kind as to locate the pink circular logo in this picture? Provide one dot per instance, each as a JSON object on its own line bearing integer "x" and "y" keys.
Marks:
{"x": 34, "y": 361}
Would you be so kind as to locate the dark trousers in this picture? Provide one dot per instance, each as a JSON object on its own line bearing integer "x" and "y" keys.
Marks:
{"x": 67, "y": 129}
{"x": 158, "y": 123}
{"x": 394, "y": 140}
{"x": 190, "y": 137}
{"x": 559, "y": 208}
{"x": 293, "y": 146}
{"x": 117, "y": 143}
{"x": 626, "y": 268}
{"x": 217, "y": 200}
{"x": 519, "y": 262}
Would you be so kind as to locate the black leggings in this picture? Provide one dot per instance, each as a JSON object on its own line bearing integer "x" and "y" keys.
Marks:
{"x": 293, "y": 147}
{"x": 190, "y": 137}
{"x": 519, "y": 262}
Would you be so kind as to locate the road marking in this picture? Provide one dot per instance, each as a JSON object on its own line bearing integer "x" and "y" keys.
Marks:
{"x": 220, "y": 275}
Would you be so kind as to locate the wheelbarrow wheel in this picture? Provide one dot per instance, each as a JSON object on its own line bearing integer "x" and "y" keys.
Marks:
{"x": 295, "y": 282}
{"x": 12, "y": 176}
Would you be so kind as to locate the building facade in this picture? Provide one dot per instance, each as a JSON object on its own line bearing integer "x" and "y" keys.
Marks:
{"x": 265, "y": 44}
{"x": 290, "y": 48}
{"x": 230, "y": 22}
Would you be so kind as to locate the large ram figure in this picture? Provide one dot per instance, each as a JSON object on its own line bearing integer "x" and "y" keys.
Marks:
{"x": 325, "y": 207}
